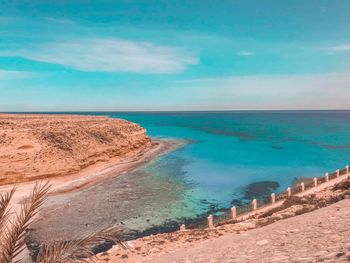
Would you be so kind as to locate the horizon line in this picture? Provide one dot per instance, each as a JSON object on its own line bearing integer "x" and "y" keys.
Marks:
{"x": 170, "y": 111}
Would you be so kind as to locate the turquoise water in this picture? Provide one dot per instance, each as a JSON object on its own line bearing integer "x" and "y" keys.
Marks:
{"x": 228, "y": 151}
{"x": 230, "y": 158}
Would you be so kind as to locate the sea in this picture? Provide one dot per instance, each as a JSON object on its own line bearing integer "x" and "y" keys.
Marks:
{"x": 230, "y": 157}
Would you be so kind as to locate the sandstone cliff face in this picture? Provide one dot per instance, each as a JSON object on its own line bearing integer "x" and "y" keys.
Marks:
{"x": 44, "y": 146}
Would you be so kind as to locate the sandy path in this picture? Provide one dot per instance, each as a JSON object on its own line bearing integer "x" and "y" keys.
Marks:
{"x": 319, "y": 236}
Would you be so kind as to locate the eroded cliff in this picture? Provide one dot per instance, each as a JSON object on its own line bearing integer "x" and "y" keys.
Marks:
{"x": 46, "y": 146}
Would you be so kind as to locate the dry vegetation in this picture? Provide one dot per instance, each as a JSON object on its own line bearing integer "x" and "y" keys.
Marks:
{"x": 13, "y": 226}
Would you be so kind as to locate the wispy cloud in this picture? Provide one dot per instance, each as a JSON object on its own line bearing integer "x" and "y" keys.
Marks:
{"x": 339, "y": 48}
{"x": 60, "y": 21}
{"x": 15, "y": 75}
{"x": 111, "y": 55}
{"x": 245, "y": 53}
{"x": 317, "y": 91}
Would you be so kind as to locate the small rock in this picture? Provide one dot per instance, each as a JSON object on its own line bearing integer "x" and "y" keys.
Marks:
{"x": 294, "y": 230}
{"x": 262, "y": 242}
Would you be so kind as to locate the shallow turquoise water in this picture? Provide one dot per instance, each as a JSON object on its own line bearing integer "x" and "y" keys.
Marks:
{"x": 230, "y": 150}
{"x": 231, "y": 158}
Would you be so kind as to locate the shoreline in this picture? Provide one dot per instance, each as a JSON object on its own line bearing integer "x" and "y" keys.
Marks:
{"x": 91, "y": 176}
{"x": 95, "y": 173}
{"x": 158, "y": 247}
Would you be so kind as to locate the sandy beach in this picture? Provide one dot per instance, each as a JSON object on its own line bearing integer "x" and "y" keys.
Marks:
{"x": 111, "y": 147}
{"x": 80, "y": 152}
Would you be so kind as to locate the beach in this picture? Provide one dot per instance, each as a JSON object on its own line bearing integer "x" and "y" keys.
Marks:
{"x": 58, "y": 148}
{"x": 22, "y": 135}
{"x": 71, "y": 152}
{"x": 193, "y": 165}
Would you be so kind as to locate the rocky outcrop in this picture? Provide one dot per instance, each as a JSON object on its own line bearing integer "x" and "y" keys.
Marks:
{"x": 46, "y": 146}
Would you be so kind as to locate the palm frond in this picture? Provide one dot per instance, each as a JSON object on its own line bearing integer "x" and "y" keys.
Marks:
{"x": 13, "y": 237}
{"x": 4, "y": 212}
{"x": 80, "y": 250}
{"x": 12, "y": 233}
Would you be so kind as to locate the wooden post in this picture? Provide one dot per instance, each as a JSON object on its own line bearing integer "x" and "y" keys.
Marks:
{"x": 182, "y": 227}
{"x": 273, "y": 198}
{"x": 254, "y": 204}
{"x": 234, "y": 212}
{"x": 289, "y": 192}
{"x": 315, "y": 181}
{"x": 327, "y": 177}
{"x": 302, "y": 186}
{"x": 210, "y": 221}
{"x": 338, "y": 173}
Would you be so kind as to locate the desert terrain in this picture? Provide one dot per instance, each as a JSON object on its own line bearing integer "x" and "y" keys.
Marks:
{"x": 46, "y": 146}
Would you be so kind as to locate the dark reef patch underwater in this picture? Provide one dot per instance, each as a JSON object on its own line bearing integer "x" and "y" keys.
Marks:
{"x": 260, "y": 189}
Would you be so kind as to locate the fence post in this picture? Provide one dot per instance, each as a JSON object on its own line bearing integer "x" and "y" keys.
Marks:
{"x": 254, "y": 204}
{"x": 338, "y": 172}
{"x": 182, "y": 227}
{"x": 315, "y": 181}
{"x": 210, "y": 221}
{"x": 302, "y": 186}
{"x": 233, "y": 212}
{"x": 327, "y": 177}
{"x": 289, "y": 192}
{"x": 273, "y": 198}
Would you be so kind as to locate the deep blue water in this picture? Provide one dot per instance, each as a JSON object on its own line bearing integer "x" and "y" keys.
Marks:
{"x": 229, "y": 151}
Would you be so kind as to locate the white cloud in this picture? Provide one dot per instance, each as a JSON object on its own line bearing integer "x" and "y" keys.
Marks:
{"x": 316, "y": 91}
{"x": 245, "y": 53}
{"x": 112, "y": 55}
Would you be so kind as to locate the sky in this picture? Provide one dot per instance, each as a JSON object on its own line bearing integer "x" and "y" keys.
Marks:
{"x": 99, "y": 55}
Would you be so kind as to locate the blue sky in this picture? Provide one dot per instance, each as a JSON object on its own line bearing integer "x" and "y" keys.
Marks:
{"x": 174, "y": 55}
